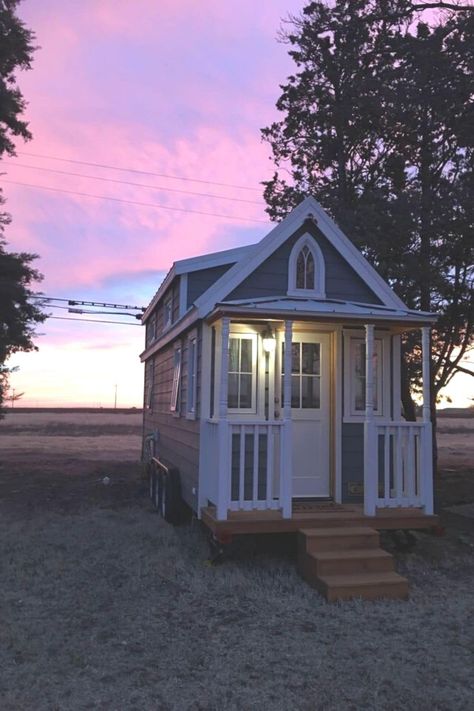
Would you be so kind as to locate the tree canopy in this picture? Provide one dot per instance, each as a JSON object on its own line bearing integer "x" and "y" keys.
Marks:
{"x": 377, "y": 124}
{"x": 18, "y": 316}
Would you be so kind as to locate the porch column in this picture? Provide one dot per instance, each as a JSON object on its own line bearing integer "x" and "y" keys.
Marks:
{"x": 370, "y": 437}
{"x": 224, "y": 470}
{"x": 426, "y": 478}
{"x": 286, "y": 467}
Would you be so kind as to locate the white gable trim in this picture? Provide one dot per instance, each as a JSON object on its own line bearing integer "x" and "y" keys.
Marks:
{"x": 319, "y": 290}
{"x": 264, "y": 249}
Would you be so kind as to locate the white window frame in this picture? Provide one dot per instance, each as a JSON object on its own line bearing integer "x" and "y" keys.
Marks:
{"x": 191, "y": 385}
{"x": 252, "y": 410}
{"x": 383, "y": 383}
{"x": 176, "y": 383}
{"x": 319, "y": 290}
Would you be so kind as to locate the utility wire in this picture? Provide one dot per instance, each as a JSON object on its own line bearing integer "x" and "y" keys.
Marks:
{"x": 138, "y": 185}
{"x": 135, "y": 202}
{"x": 141, "y": 172}
{"x": 93, "y": 320}
{"x": 82, "y": 302}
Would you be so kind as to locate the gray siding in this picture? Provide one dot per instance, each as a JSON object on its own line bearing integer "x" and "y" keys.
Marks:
{"x": 178, "y": 437}
{"x": 200, "y": 281}
{"x": 271, "y": 277}
{"x": 352, "y": 462}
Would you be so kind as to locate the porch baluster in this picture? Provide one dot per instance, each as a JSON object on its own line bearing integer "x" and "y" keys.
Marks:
{"x": 370, "y": 437}
{"x": 286, "y": 470}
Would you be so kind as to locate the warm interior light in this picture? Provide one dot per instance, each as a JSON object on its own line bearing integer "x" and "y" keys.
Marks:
{"x": 269, "y": 341}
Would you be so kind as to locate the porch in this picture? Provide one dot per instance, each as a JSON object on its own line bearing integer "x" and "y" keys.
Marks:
{"x": 252, "y": 473}
{"x": 316, "y": 515}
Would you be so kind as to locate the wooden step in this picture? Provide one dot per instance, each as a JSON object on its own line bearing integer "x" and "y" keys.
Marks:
{"x": 330, "y": 539}
{"x": 347, "y": 563}
{"x": 368, "y": 586}
{"x": 340, "y": 562}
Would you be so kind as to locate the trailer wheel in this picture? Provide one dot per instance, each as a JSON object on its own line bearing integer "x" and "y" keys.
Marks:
{"x": 171, "y": 503}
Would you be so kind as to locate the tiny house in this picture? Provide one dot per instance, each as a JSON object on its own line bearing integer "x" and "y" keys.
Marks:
{"x": 272, "y": 387}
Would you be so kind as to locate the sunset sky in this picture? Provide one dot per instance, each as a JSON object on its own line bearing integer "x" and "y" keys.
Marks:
{"x": 175, "y": 89}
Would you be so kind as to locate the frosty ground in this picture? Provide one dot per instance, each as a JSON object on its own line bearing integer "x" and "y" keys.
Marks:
{"x": 105, "y": 606}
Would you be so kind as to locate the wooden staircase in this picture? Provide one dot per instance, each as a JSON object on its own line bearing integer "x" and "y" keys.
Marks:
{"x": 344, "y": 563}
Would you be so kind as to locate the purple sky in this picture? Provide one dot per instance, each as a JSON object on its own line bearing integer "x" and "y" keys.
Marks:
{"x": 174, "y": 88}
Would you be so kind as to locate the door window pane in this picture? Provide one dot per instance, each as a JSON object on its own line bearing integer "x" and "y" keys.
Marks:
{"x": 310, "y": 392}
{"x": 311, "y": 358}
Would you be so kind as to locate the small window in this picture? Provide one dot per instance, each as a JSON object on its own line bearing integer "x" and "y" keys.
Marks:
{"x": 192, "y": 377}
{"x": 306, "y": 271}
{"x": 168, "y": 312}
{"x": 305, "y": 375}
{"x": 358, "y": 379}
{"x": 151, "y": 330}
{"x": 242, "y": 372}
{"x": 175, "y": 388}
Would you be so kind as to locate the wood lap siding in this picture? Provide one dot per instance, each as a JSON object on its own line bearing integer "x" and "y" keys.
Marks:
{"x": 352, "y": 461}
{"x": 271, "y": 277}
{"x": 178, "y": 439}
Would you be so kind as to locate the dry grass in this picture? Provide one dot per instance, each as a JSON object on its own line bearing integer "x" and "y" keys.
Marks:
{"x": 107, "y": 607}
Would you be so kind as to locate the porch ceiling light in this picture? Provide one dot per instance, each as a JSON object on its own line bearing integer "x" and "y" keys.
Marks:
{"x": 268, "y": 340}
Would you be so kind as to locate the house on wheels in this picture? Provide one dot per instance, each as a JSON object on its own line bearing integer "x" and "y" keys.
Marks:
{"x": 272, "y": 401}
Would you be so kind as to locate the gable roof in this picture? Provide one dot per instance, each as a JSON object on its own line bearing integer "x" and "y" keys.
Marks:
{"x": 194, "y": 264}
{"x": 308, "y": 208}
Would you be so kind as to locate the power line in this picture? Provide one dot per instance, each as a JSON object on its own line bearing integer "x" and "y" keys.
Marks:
{"x": 138, "y": 185}
{"x": 135, "y": 202}
{"x": 93, "y": 320}
{"x": 141, "y": 172}
{"x": 82, "y": 302}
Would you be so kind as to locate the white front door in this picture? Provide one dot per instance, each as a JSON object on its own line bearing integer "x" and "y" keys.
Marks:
{"x": 310, "y": 412}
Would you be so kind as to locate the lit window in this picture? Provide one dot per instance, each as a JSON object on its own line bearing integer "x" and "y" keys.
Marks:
{"x": 305, "y": 375}
{"x": 242, "y": 372}
{"x": 175, "y": 388}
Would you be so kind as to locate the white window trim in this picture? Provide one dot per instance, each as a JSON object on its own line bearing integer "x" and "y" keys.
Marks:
{"x": 191, "y": 385}
{"x": 176, "y": 383}
{"x": 319, "y": 290}
{"x": 383, "y": 377}
{"x": 252, "y": 410}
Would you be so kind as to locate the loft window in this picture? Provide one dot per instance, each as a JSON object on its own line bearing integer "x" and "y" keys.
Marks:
{"x": 305, "y": 269}
{"x": 192, "y": 378}
{"x": 306, "y": 272}
{"x": 168, "y": 312}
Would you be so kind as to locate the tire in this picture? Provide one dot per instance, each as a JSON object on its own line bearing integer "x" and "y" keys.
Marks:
{"x": 171, "y": 503}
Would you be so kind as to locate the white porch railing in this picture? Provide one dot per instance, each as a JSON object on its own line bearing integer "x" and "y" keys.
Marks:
{"x": 246, "y": 465}
{"x": 398, "y": 472}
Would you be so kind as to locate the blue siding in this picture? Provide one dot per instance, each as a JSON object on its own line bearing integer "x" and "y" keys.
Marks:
{"x": 200, "y": 281}
{"x": 271, "y": 277}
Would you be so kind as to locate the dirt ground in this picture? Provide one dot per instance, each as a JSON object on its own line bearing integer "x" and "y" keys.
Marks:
{"x": 105, "y": 606}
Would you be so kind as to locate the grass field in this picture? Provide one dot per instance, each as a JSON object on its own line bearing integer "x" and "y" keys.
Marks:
{"x": 104, "y": 606}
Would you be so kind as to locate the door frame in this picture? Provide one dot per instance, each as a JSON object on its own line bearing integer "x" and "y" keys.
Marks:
{"x": 334, "y": 369}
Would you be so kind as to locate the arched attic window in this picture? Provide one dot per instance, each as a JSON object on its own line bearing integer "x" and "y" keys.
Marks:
{"x": 306, "y": 269}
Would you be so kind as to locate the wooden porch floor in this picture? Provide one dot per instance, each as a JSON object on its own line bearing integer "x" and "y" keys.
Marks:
{"x": 316, "y": 515}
